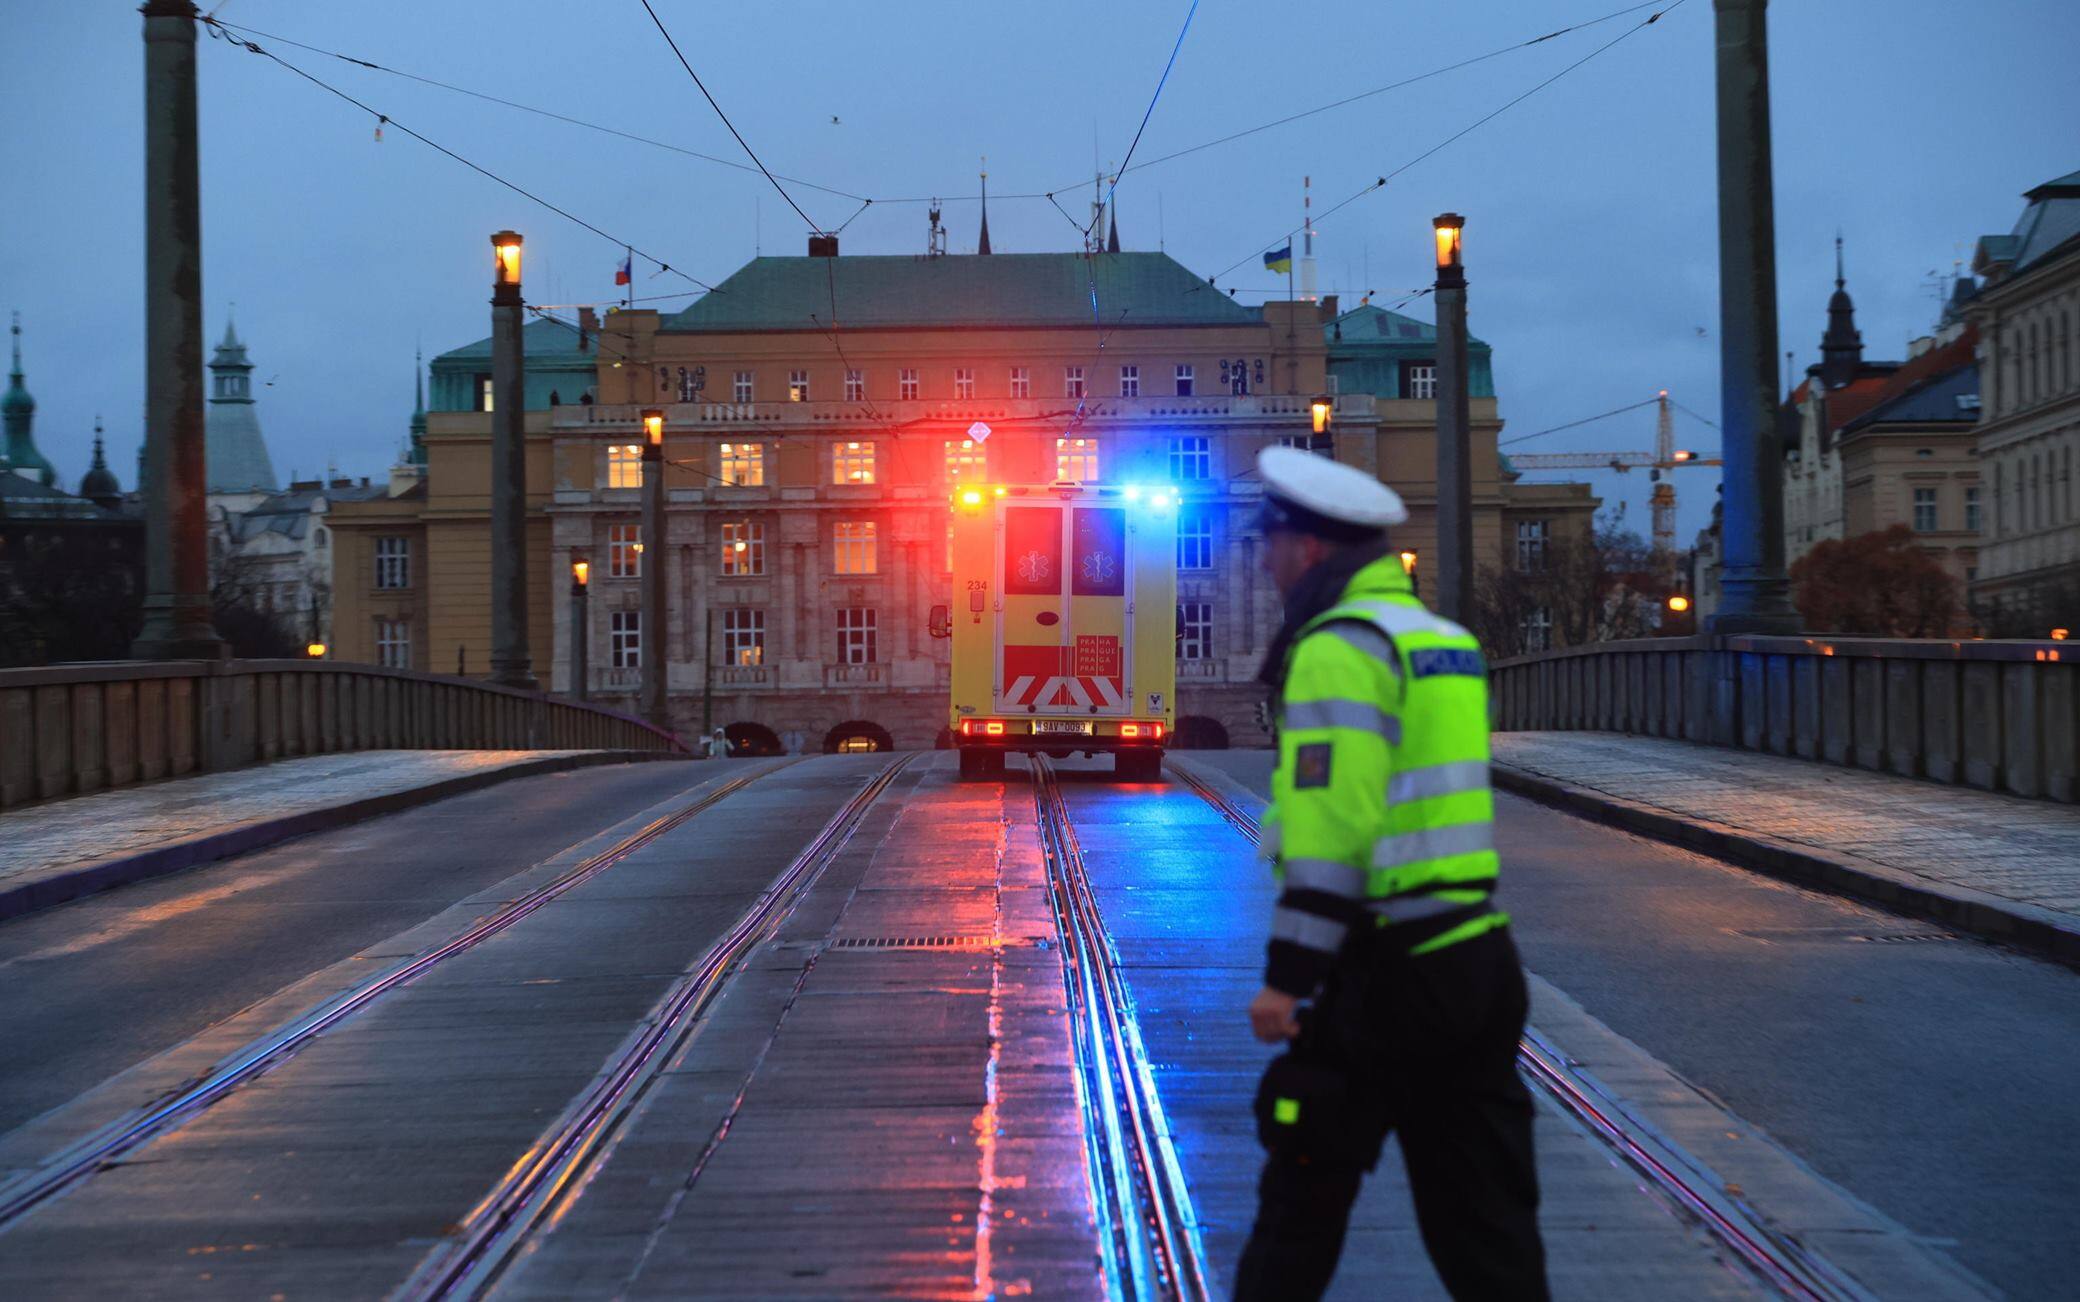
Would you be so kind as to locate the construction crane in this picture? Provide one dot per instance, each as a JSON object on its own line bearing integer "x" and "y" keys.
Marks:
{"x": 1664, "y": 459}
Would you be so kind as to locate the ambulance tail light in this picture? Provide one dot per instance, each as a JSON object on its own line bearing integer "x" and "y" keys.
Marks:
{"x": 982, "y": 727}
{"x": 1139, "y": 731}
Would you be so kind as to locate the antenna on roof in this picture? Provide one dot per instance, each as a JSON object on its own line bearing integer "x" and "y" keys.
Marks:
{"x": 935, "y": 243}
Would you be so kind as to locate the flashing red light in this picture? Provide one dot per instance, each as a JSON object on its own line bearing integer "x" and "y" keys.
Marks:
{"x": 1130, "y": 730}
{"x": 1151, "y": 731}
{"x": 995, "y": 727}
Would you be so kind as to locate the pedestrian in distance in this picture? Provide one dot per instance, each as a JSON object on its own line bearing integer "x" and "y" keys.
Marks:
{"x": 1390, "y": 975}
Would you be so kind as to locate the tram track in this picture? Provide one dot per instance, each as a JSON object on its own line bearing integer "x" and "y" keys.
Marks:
{"x": 1147, "y": 1228}
{"x": 549, "y": 1178}
{"x": 81, "y": 1160}
{"x": 1773, "y": 1259}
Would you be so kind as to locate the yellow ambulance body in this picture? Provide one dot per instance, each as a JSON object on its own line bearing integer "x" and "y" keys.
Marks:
{"x": 1064, "y": 624}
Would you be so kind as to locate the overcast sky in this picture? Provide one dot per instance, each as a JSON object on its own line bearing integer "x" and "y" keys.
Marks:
{"x": 1912, "y": 125}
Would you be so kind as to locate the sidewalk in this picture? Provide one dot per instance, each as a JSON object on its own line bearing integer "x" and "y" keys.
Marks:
{"x": 61, "y": 850}
{"x": 2000, "y": 866}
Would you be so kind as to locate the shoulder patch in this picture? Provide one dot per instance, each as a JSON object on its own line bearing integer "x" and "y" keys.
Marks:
{"x": 1446, "y": 660}
{"x": 1311, "y": 765}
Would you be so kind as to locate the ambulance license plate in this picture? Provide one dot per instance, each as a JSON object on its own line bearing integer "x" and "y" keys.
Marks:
{"x": 1072, "y": 727}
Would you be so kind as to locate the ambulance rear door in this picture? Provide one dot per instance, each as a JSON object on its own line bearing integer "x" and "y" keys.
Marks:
{"x": 1064, "y": 644}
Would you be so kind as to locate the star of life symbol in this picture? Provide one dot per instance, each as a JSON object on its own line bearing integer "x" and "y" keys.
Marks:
{"x": 1099, "y": 567}
{"x": 1035, "y": 567}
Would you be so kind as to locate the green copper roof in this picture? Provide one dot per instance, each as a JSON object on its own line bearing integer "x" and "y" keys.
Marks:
{"x": 1003, "y": 289}
{"x": 544, "y": 342}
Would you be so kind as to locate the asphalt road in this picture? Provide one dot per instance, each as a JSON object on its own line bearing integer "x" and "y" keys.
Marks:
{"x": 1928, "y": 1073}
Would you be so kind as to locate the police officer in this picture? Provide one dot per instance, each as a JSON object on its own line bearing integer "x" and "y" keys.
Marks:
{"x": 1381, "y": 834}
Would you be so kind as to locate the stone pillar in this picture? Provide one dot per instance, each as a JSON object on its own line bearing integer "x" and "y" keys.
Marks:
{"x": 1454, "y": 450}
{"x": 512, "y": 663}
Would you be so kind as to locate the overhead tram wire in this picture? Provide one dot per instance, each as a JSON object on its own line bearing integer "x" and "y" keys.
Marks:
{"x": 1149, "y": 112}
{"x": 384, "y": 119}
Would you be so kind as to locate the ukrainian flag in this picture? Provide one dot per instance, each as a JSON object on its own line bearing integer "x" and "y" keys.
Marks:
{"x": 1280, "y": 260}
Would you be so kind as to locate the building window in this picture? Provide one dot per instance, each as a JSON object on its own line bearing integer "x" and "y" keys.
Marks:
{"x": 1999, "y": 506}
{"x": 324, "y": 539}
{"x": 852, "y": 462}
{"x": 965, "y": 461}
{"x": 963, "y": 381}
{"x": 743, "y": 465}
{"x": 852, "y": 547}
{"x": 393, "y": 644}
{"x": 856, "y": 635}
{"x": 906, "y": 383}
{"x": 1195, "y": 539}
{"x": 1195, "y": 630}
{"x": 855, "y": 386}
{"x": 798, "y": 386}
{"x": 1076, "y": 461}
{"x": 1309, "y": 442}
{"x": 624, "y": 465}
{"x": 483, "y": 393}
{"x": 743, "y": 550}
{"x": 625, "y": 639}
{"x": 1924, "y": 510}
{"x": 1191, "y": 457}
{"x": 1184, "y": 379}
{"x": 1419, "y": 379}
{"x": 1531, "y": 546}
{"x": 1130, "y": 381}
{"x": 624, "y": 551}
{"x": 740, "y": 387}
{"x": 393, "y": 562}
{"x": 1971, "y": 509}
{"x": 1021, "y": 382}
{"x": 1072, "y": 382}
{"x": 743, "y": 636}
{"x": 1538, "y": 630}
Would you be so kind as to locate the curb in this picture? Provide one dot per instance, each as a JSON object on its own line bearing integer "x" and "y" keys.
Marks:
{"x": 70, "y": 883}
{"x": 2042, "y": 932}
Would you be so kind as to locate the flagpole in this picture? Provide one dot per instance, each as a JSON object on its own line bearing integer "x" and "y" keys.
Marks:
{"x": 628, "y": 298}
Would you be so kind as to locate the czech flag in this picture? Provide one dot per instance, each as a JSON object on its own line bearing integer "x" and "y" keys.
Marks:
{"x": 1280, "y": 260}
{"x": 625, "y": 272}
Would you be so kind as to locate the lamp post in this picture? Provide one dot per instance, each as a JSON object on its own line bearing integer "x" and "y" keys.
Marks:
{"x": 177, "y": 624}
{"x": 512, "y": 665}
{"x": 1454, "y": 429}
{"x": 655, "y": 641}
{"x": 581, "y": 641}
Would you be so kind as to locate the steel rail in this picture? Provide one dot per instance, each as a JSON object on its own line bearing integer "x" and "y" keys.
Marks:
{"x": 1151, "y": 1229}
{"x": 1784, "y": 1266}
{"x": 554, "y": 1171}
{"x": 86, "y": 1157}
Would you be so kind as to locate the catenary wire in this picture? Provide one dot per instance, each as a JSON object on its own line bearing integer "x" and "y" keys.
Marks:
{"x": 1147, "y": 113}
{"x": 1586, "y": 420}
{"x": 1691, "y": 414}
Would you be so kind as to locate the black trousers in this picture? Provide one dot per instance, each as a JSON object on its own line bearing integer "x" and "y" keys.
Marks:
{"x": 1430, "y": 1046}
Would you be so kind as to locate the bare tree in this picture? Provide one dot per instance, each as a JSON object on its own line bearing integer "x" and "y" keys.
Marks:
{"x": 1588, "y": 587}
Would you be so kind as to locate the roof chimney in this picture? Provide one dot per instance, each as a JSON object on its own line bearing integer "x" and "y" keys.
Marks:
{"x": 822, "y": 246}
{"x": 588, "y": 326}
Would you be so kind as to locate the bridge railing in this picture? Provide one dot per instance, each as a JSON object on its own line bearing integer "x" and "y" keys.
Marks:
{"x": 2000, "y": 715}
{"x": 73, "y": 728}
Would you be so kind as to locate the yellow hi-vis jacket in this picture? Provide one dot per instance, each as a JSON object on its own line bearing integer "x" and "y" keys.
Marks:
{"x": 1381, "y": 814}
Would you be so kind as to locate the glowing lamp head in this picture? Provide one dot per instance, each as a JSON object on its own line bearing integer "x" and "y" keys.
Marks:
{"x": 2060, "y": 634}
{"x": 653, "y": 426}
{"x": 1321, "y": 408}
{"x": 1408, "y": 562}
{"x": 505, "y": 247}
{"x": 1685, "y": 454}
{"x": 1449, "y": 226}
{"x": 315, "y": 650}
{"x": 581, "y": 572}
{"x": 971, "y": 497}
{"x": 1678, "y": 603}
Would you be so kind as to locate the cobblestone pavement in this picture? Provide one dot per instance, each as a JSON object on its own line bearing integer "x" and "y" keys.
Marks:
{"x": 111, "y": 824}
{"x": 2022, "y": 850}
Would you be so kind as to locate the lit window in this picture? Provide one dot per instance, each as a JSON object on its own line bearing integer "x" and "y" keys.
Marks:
{"x": 1072, "y": 382}
{"x": 624, "y": 551}
{"x": 963, "y": 381}
{"x": 624, "y": 465}
{"x": 1021, "y": 382}
{"x": 856, "y": 635}
{"x": 1531, "y": 546}
{"x": 1129, "y": 381}
{"x": 1191, "y": 457}
{"x": 483, "y": 393}
{"x": 906, "y": 383}
{"x": 743, "y": 636}
{"x": 393, "y": 562}
{"x": 740, "y": 387}
{"x": 1419, "y": 379}
{"x": 1195, "y": 630}
{"x": 625, "y": 639}
{"x": 1924, "y": 510}
{"x": 1184, "y": 379}
{"x": 1971, "y": 509}
{"x": 744, "y": 465}
{"x": 965, "y": 461}
{"x": 852, "y": 547}
{"x": 1076, "y": 461}
{"x": 1538, "y": 630}
{"x": 393, "y": 644}
{"x": 855, "y": 386}
{"x": 743, "y": 550}
{"x": 852, "y": 462}
{"x": 1321, "y": 443}
{"x": 798, "y": 386}
{"x": 1195, "y": 539}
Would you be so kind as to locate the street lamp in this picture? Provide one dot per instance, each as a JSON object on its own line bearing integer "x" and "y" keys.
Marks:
{"x": 505, "y": 255}
{"x": 1408, "y": 567}
{"x": 512, "y": 663}
{"x": 1679, "y": 603}
{"x": 315, "y": 650}
{"x": 581, "y": 578}
{"x": 1321, "y": 409}
{"x": 655, "y": 639}
{"x": 1454, "y": 427}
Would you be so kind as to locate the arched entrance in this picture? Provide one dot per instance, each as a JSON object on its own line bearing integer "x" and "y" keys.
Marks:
{"x": 752, "y": 739}
{"x": 1197, "y": 732}
{"x": 855, "y": 736}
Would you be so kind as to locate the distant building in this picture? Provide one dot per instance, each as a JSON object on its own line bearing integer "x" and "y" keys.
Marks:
{"x": 2027, "y": 314}
{"x": 1909, "y": 458}
{"x": 237, "y": 466}
{"x": 1836, "y": 390}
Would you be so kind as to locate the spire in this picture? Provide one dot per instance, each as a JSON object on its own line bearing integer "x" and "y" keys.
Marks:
{"x": 982, "y": 245}
{"x": 100, "y": 486}
{"x": 18, "y": 416}
{"x": 1841, "y": 348}
{"x": 417, "y": 454}
{"x": 1112, "y": 236}
{"x": 234, "y": 453}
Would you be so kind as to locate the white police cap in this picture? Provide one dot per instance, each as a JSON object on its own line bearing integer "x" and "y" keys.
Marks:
{"x": 1308, "y": 493}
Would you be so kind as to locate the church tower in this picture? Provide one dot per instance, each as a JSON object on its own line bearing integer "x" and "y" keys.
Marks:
{"x": 236, "y": 454}
{"x": 18, "y": 414}
{"x": 1841, "y": 348}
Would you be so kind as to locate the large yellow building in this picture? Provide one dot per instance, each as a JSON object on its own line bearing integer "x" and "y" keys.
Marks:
{"x": 819, "y": 411}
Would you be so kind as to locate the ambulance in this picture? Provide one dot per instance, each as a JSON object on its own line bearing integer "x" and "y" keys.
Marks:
{"x": 1064, "y": 624}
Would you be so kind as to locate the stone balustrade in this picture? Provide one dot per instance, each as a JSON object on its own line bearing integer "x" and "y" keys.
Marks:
{"x": 2002, "y": 716}
{"x": 74, "y": 728}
